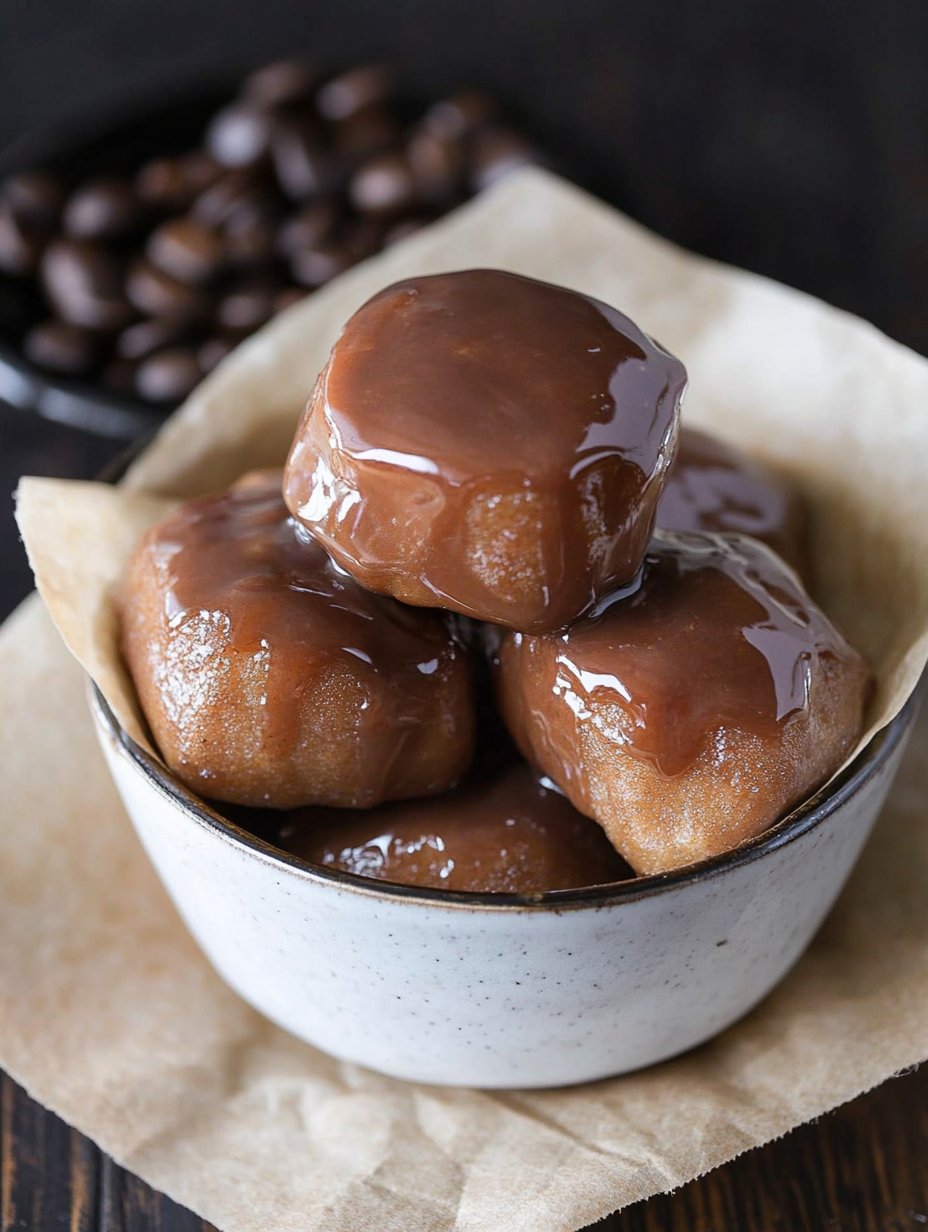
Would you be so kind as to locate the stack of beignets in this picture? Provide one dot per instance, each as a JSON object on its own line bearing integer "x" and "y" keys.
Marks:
{"x": 483, "y": 444}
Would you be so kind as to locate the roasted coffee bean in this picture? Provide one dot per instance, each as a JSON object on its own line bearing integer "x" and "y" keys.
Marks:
{"x": 171, "y": 184}
{"x": 249, "y": 227}
{"x": 62, "y": 347}
{"x": 20, "y": 245}
{"x": 280, "y": 84}
{"x": 142, "y": 339}
{"x": 292, "y": 182}
{"x": 169, "y": 375}
{"x": 437, "y": 164}
{"x": 186, "y": 249}
{"x": 461, "y": 114}
{"x": 199, "y": 170}
{"x": 212, "y": 351}
{"x": 311, "y": 267}
{"x": 217, "y": 203}
{"x": 249, "y": 242}
{"x": 84, "y": 283}
{"x": 238, "y": 135}
{"x": 307, "y": 227}
{"x": 119, "y": 375}
{"x": 383, "y": 185}
{"x": 304, "y": 166}
{"x": 163, "y": 184}
{"x": 35, "y": 197}
{"x": 157, "y": 294}
{"x": 258, "y": 206}
{"x": 246, "y": 307}
{"x": 102, "y": 209}
{"x": 370, "y": 131}
{"x": 354, "y": 90}
{"x": 287, "y": 298}
{"x": 495, "y": 153}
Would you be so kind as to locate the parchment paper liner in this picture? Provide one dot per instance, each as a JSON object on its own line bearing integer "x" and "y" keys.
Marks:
{"x": 110, "y": 1015}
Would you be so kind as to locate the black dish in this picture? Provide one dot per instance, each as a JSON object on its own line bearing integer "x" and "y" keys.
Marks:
{"x": 151, "y": 127}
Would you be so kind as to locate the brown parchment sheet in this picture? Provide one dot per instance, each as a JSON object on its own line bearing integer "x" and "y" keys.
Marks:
{"x": 109, "y": 1014}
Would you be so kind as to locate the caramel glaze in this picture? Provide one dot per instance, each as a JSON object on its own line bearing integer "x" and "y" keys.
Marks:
{"x": 711, "y": 486}
{"x": 269, "y": 677}
{"x": 508, "y": 833}
{"x": 690, "y": 712}
{"x": 489, "y": 444}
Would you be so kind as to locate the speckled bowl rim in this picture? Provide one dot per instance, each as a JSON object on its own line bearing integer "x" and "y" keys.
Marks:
{"x": 813, "y": 812}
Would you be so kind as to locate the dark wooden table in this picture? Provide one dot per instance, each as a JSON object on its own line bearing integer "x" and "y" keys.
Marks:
{"x": 788, "y": 138}
{"x": 864, "y": 1168}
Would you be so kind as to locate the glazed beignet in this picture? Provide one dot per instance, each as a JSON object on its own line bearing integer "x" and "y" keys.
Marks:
{"x": 689, "y": 714}
{"x": 712, "y": 486}
{"x": 269, "y": 677}
{"x": 508, "y": 833}
{"x": 487, "y": 443}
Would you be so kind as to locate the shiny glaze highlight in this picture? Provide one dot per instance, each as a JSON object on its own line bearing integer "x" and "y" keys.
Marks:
{"x": 712, "y": 486}
{"x": 688, "y": 711}
{"x": 269, "y": 676}
{"x": 503, "y": 832}
{"x": 487, "y": 443}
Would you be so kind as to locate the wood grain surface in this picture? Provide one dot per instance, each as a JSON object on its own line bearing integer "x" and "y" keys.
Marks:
{"x": 863, "y": 1168}
{"x": 787, "y": 138}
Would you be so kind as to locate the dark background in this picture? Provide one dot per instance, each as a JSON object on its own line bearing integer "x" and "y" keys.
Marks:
{"x": 790, "y": 138}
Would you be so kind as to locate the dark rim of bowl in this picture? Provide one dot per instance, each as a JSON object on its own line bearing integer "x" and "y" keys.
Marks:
{"x": 806, "y": 816}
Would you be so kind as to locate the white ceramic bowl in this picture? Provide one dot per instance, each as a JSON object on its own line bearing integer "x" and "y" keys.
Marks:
{"x": 501, "y": 990}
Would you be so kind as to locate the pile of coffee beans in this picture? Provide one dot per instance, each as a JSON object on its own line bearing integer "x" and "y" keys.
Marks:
{"x": 152, "y": 277}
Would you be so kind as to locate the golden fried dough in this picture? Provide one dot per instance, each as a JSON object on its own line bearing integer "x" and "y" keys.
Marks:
{"x": 690, "y": 714}
{"x": 487, "y": 443}
{"x": 511, "y": 834}
{"x": 713, "y": 486}
{"x": 269, "y": 677}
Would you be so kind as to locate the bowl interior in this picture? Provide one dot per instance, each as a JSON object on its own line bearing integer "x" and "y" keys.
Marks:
{"x": 824, "y": 804}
